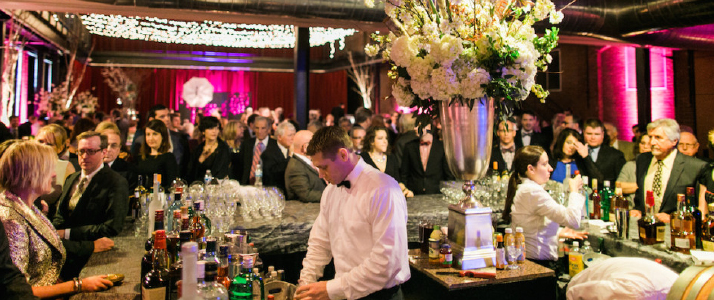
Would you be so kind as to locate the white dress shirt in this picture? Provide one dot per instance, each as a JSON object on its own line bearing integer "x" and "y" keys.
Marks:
{"x": 526, "y": 139}
{"x": 74, "y": 188}
{"x": 668, "y": 163}
{"x": 364, "y": 229}
{"x": 539, "y": 215}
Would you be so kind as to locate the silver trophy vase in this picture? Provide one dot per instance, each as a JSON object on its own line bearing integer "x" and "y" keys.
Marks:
{"x": 468, "y": 135}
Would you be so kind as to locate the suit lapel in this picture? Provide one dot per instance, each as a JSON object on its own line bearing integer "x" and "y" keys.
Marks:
{"x": 40, "y": 226}
{"x": 416, "y": 153}
{"x": 308, "y": 167}
{"x": 91, "y": 189}
{"x": 69, "y": 183}
{"x": 677, "y": 169}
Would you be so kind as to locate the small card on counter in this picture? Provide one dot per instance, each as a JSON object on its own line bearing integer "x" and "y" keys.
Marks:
{"x": 600, "y": 225}
{"x": 704, "y": 258}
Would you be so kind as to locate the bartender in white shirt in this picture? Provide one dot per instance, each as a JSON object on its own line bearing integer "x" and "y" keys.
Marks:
{"x": 362, "y": 225}
{"x": 528, "y": 205}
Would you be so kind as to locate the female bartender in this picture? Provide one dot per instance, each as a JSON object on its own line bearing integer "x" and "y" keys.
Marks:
{"x": 528, "y": 205}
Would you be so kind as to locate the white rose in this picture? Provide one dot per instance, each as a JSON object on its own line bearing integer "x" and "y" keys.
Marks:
{"x": 371, "y": 50}
{"x": 403, "y": 51}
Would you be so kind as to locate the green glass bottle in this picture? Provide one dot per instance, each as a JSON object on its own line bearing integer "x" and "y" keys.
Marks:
{"x": 605, "y": 197}
{"x": 242, "y": 285}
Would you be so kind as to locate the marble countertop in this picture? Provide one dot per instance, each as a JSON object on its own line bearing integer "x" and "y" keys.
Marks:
{"x": 528, "y": 271}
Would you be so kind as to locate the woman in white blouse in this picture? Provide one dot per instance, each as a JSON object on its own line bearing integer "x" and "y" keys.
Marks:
{"x": 529, "y": 206}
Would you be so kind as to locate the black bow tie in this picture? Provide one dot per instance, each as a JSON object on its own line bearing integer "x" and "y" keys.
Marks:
{"x": 345, "y": 183}
{"x": 527, "y": 133}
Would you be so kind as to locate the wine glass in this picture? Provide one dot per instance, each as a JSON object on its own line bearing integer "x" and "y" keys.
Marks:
{"x": 514, "y": 251}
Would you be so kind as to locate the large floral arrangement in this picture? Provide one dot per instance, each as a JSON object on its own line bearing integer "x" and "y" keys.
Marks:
{"x": 55, "y": 102}
{"x": 121, "y": 84}
{"x": 465, "y": 50}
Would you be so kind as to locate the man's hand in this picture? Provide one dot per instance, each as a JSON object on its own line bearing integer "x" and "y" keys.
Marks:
{"x": 582, "y": 149}
{"x": 635, "y": 213}
{"x": 60, "y": 232}
{"x": 572, "y": 234}
{"x": 313, "y": 291}
{"x": 45, "y": 208}
{"x": 663, "y": 217}
{"x": 103, "y": 244}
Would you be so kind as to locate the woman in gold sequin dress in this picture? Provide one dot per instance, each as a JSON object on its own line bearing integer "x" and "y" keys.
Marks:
{"x": 27, "y": 170}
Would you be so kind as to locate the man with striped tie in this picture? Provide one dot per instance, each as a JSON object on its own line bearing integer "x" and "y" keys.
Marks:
{"x": 246, "y": 163}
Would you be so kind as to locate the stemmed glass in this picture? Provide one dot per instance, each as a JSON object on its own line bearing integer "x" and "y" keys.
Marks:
{"x": 514, "y": 251}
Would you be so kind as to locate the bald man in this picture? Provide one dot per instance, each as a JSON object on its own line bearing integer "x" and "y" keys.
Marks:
{"x": 302, "y": 180}
{"x": 688, "y": 144}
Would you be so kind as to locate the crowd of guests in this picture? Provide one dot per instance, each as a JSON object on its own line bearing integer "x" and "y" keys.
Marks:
{"x": 65, "y": 190}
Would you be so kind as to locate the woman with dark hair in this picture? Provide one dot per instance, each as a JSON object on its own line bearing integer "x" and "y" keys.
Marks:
{"x": 213, "y": 154}
{"x": 375, "y": 153}
{"x": 155, "y": 155}
{"x": 528, "y": 205}
{"x": 570, "y": 150}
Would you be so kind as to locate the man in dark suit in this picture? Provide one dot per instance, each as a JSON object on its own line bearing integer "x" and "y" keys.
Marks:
{"x": 117, "y": 164}
{"x": 503, "y": 153}
{"x": 665, "y": 171}
{"x": 275, "y": 159}
{"x": 527, "y": 135}
{"x": 424, "y": 164}
{"x": 14, "y": 130}
{"x": 92, "y": 206}
{"x": 302, "y": 180}
{"x": 244, "y": 166}
{"x": 608, "y": 160}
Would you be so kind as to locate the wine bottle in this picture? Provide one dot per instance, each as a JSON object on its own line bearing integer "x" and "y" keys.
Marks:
{"x": 155, "y": 203}
{"x": 697, "y": 215}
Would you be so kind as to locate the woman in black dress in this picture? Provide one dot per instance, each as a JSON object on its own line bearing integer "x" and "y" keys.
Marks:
{"x": 155, "y": 155}
{"x": 213, "y": 154}
{"x": 374, "y": 153}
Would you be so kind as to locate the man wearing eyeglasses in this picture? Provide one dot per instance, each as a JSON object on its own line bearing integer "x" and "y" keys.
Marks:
{"x": 688, "y": 144}
{"x": 92, "y": 206}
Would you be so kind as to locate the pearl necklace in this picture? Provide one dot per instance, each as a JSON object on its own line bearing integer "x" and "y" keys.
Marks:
{"x": 379, "y": 160}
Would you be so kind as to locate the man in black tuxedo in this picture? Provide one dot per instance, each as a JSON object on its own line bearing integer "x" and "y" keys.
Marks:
{"x": 244, "y": 166}
{"x": 665, "y": 171}
{"x": 92, "y": 206}
{"x": 275, "y": 159}
{"x": 117, "y": 164}
{"x": 608, "y": 160}
{"x": 503, "y": 153}
{"x": 527, "y": 135}
{"x": 302, "y": 180}
{"x": 424, "y": 164}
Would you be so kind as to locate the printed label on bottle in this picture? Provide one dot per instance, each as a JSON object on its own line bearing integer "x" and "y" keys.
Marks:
{"x": 137, "y": 195}
{"x": 500, "y": 258}
{"x": 681, "y": 243}
{"x": 521, "y": 258}
{"x": 708, "y": 246}
{"x": 433, "y": 253}
{"x": 643, "y": 233}
{"x": 153, "y": 294}
{"x": 660, "y": 234}
{"x": 448, "y": 259}
{"x": 575, "y": 265}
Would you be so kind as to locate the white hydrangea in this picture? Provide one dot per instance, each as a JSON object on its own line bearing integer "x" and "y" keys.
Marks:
{"x": 444, "y": 84}
{"x": 471, "y": 86}
{"x": 403, "y": 51}
{"x": 446, "y": 50}
{"x": 400, "y": 91}
{"x": 421, "y": 88}
{"x": 542, "y": 9}
{"x": 420, "y": 69}
{"x": 556, "y": 17}
{"x": 371, "y": 50}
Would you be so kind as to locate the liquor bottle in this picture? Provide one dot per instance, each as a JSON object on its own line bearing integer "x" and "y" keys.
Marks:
{"x": 176, "y": 194}
{"x": 675, "y": 222}
{"x": 708, "y": 229}
{"x": 587, "y": 191}
{"x": 621, "y": 213}
{"x": 146, "y": 260}
{"x": 137, "y": 201}
{"x": 155, "y": 285}
{"x": 211, "y": 251}
{"x": 210, "y": 289}
{"x": 198, "y": 225}
{"x": 575, "y": 260}
{"x": 565, "y": 188}
{"x": 155, "y": 203}
{"x": 684, "y": 238}
{"x": 651, "y": 229}
{"x": 495, "y": 181}
{"x": 189, "y": 274}
{"x": 176, "y": 269}
{"x": 605, "y": 198}
{"x": 500, "y": 252}
{"x": 208, "y": 177}
{"x": 242, "y": 285}
{"x": 697, "y": 215}
{"x": 521, "y": 240}
{"x": 595, "y": 202}
{"x": 204, "y": 219}
{"x": 224, "y": 265}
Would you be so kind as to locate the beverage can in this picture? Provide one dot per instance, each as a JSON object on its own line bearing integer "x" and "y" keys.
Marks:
{"x": 434, "y": 249}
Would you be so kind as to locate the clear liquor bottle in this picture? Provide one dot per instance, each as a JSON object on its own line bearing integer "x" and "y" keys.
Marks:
{"x": 685, "y": 238}
{"x": 675, "y": 222}
{"x": 210, "y": 289}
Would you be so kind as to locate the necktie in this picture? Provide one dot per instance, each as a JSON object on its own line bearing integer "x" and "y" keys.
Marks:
{"x": 527, "y": 133}
{"x": 657, "y": 184}
{"x": 256, "y": 160}
{"x": 77, "y": 193}
{"x": 509, "y": 149}
{"x": 345, "y": 183}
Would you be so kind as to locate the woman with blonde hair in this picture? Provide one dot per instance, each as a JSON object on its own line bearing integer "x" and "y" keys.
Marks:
{"x": 26, "y": 172}
{"x": 55, "y": 136}
{"x": 233, "y": 134}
